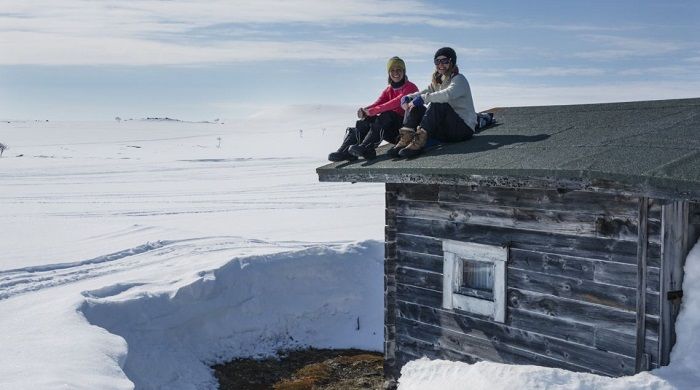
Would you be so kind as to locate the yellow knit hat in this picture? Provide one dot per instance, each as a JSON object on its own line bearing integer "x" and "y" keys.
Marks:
{"x": 395, "y": 62}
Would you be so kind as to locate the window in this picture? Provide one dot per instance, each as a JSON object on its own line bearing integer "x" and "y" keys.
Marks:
{"x": 474, "y": 278}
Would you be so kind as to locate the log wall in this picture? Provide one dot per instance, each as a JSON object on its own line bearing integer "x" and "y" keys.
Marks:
{"x": 571, "y": 277}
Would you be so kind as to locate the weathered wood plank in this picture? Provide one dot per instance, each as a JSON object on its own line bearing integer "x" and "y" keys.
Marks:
{"x": 594, "y": 315}
{"x": 601, "y": 271}
{"x": 675, "y": 247}
{"x": 554, "y": 200}
{"x": 465, "y": 331}
{"x": 419, "y": 278}
{"x": 390, "y": 278}
{"x": 419, "y": 244}
{"x": 567, "y": 222}
{"x": 642, "y": 244}
{"x": 552, "y": 264}
{"x": 624, "y": 344}
{"x": 577, "y": 289}
{"x": 420, "y": 261}
{"x": 589, "y": 247}
{"x": 575, "y": 332}
{"x": 420, "y": 296}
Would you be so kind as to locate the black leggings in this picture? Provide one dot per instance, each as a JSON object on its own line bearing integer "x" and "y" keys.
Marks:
{"x": 384, "y": 126}
{"x": 440, "y": 121}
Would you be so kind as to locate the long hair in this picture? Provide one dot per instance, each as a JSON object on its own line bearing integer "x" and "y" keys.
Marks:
{"x": 440, "y": 79}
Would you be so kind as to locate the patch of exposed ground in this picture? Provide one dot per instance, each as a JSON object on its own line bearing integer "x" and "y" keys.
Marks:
{"x": 309, "y": 369}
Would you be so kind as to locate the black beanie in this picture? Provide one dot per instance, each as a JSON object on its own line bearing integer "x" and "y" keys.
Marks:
{"x": 447, "y": 52}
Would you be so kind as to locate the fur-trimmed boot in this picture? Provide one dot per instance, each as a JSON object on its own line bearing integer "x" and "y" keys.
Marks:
{"x": 416, "y": 146}
{"x": 406, "y": 135}
{"x": 351, "y": 138}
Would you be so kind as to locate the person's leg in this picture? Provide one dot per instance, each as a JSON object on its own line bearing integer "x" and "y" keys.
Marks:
{"x": 412, "y": 119}
{"x": 386, "y": 120}
{"x": 390, "y": 127}
{"x": 351, "y": 136}
{"x": 440, "y": 122}
{"x": 443, "y": 123}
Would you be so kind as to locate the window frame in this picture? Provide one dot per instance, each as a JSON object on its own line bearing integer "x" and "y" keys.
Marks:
{"x": 455, "y": 253}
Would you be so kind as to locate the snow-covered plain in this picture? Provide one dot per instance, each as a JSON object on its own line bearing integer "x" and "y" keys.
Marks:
{"x": 135, "y": 254}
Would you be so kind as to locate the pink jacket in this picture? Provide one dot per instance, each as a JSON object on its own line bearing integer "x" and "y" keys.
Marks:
{"x": 390, "y": 99}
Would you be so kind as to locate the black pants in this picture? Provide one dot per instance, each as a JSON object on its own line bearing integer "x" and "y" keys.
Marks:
{"x": 440, "y": 121}
{"x": 374, "y": 129}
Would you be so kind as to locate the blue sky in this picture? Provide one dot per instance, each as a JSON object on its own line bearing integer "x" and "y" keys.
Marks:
{"x": 196, "y": 60}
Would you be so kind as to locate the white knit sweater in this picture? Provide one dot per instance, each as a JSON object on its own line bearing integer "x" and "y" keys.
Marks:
{"x": 457, "y": 93}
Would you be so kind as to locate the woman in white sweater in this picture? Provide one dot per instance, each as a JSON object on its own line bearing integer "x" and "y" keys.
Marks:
{"x": 449, "y": 115}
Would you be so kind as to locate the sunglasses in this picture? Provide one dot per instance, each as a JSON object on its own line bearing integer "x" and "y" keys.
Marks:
{"x": 442, "y": 61}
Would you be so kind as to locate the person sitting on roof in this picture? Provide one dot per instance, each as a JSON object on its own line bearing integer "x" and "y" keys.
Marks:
{"x": 450, "y": 114}
{"x": 380, "y": 120}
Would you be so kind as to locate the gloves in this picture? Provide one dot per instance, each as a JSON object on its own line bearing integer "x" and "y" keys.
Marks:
{"x": 405, "y": 100}
{"x": 417, "y": 101}
{"x": 361, "y": 113}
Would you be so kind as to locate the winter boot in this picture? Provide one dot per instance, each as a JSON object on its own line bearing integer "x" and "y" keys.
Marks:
{"x": 351, "y": 138}
{"x": 406, "y": 136}
{"x": 416, "y": 146}
{"x": 366, "y": 148}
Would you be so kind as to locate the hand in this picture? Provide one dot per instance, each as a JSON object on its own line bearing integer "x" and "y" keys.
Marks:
{"x": 361, "y": 113}
{"x": 417, "y": 101}
{"x": 405, "y": 99}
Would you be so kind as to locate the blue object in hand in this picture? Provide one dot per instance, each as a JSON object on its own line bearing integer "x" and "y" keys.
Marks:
{"x": 405, "y": 99}
{"x": 418, "y": 101}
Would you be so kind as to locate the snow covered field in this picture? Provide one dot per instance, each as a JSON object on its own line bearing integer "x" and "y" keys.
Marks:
{"x": 132, "y": 252}
{"x": 136, "y": 253}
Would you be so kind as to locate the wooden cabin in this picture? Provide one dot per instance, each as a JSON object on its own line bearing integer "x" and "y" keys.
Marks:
{"x": 556, "y": 237}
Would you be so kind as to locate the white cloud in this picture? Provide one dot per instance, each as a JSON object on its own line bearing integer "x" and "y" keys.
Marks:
{"x": 147, "y": 32}
{"x": 508, "y": 95}
{"x": 64, "y": 50}
{"x": 616, "y": 47}
{"x": 547, "y": 71}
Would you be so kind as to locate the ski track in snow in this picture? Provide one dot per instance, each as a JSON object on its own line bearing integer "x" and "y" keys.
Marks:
{"x": 22, "y": 280}
{"x": 18, "y": 281}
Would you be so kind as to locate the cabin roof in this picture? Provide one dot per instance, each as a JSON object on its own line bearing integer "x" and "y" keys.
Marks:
{"x": 646, "y": 144}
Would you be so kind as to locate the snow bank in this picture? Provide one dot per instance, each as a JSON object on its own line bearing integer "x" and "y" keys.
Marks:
{"x": 253, "y": 306}
{"x": 682, "y": 373}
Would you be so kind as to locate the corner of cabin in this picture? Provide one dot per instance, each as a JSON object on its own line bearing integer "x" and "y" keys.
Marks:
{"x": 556, "y": 237}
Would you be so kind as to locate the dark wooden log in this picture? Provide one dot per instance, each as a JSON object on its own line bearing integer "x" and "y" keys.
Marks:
{"x": 589, "y": 247}
{"x": 624, "y": 344}
{"x": 553, "y": 200}
{"x": 600, "y": 271}
{"x": 572, "y": 288}
{"x": 641, "y": 363}
{"x": 675, "y": 247}
{"x": 417, "y": 295}
{"x": 390, "y": 261}
{"x": 419, "y": 278}
{"x": 575, "y": 332}
{"x": 420, "y": 261}
{"x": 419, "y": 244}
{"x": 570, "y": 222}
{"x": 622, "y": 321}
{"x": 488, "y": 340}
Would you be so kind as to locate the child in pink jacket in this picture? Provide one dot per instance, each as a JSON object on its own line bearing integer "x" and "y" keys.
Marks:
{"x": 380, "y": 120}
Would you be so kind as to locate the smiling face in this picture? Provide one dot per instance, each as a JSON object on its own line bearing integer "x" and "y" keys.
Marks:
{"x": 395, "y": 74}
{"x": 442, "y": 64}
